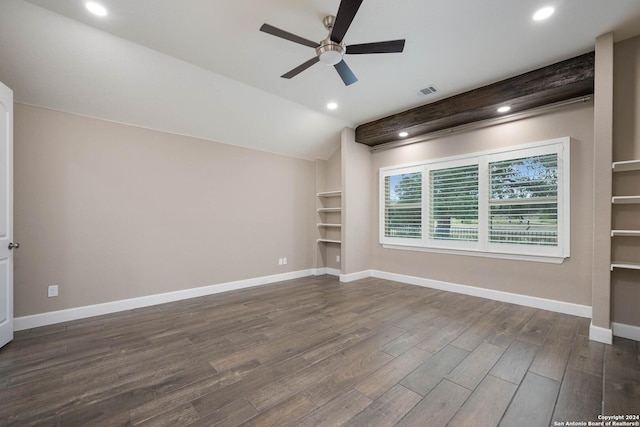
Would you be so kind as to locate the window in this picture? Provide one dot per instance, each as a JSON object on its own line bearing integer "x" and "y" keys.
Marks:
{"x": 523, "y": 201}
{"x": 453, "y": 203}
{"x": 403, "y": 204}
{"x": 508, "y": 203}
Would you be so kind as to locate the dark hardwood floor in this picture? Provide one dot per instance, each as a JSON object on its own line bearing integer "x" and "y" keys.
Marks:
{"x": 312, "y": 352}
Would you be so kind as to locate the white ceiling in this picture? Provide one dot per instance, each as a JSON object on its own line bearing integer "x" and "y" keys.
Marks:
{"x": 202, "y": 68}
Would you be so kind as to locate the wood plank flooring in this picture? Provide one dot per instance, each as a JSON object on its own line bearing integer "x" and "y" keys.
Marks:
{"x": 316, "y": 352}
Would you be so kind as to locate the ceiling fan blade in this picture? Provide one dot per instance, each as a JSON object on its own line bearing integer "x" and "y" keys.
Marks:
{"x": 346, "y": 12}
{"x": 300, "y": 68}
{"x": 391, "y": 46}
{"x": 270, "y": 29}
{"x": 345, "y": 73}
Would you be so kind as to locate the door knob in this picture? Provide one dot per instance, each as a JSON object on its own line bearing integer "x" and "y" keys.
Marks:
{"x": 14, "y": 245}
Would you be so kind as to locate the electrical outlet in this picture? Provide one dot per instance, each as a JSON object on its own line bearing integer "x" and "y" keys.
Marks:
{"x": 337, "y": 258}
{"x": 279, "y": 261}
{"x": 52, "y": 291}
{"x": 284, "y": 261}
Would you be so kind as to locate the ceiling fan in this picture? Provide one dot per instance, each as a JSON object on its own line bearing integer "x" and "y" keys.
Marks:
{"x": 331, "y": 50}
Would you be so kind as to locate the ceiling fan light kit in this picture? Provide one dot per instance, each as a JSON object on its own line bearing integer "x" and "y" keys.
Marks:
{"x": 331, "y": 50}
{"x": 330, "y": 54}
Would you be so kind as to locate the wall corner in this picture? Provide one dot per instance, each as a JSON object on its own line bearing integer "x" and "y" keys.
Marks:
{"x": 602, "y": 185}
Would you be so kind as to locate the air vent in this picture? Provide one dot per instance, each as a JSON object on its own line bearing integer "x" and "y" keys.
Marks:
{"x": 428, "y": 90}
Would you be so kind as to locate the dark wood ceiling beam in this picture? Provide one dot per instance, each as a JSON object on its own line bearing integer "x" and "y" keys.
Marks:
{"x": 564, "y": 80}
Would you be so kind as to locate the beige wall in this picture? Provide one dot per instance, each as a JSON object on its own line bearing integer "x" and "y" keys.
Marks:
{"x": 333, "y": 179}
{"x": 333, "y": 183}
{"x": 356, "y": 161}
{"x": 110, "y": 212}
{"x": 626, "y": 92}
{"x": 625, "y": 284}
{"x": 603, "y": 143}
{"x": 570, "y": 281}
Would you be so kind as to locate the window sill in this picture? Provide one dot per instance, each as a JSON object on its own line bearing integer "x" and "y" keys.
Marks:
{"x": 517, "y": 257}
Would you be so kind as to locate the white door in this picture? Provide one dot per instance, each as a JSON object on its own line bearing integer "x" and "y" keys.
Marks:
{"x": 6, "y": 215}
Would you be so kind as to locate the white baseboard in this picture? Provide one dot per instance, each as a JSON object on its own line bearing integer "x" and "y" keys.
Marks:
{"x": 600, "y": 334}
{"x": 345, "y": 278}
{"x": 596, "y": 333}
{"x": 526, "y": 300}
{"x": 52, "y": 317}
{"x": 319, "y": 271}
{"x": 626, "y": 331}
{"x": 326, "y": 270}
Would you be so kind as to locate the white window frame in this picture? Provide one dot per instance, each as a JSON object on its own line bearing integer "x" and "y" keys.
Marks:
{"x": 538, "y": 253}
{"x": 540, "y": 250}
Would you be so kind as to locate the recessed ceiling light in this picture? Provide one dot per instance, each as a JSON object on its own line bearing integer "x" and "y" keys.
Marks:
{"x": 543, "y": 13}
{"x": 403, "y": 134}
{"x": 332, "y": 106}
{"x": 96, "y": 8}
{"x": 504, "y": 109}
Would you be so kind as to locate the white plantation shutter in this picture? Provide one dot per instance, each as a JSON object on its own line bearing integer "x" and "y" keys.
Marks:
{"x": 402, "y": 197}
{"x": 453, "y": 203}
{"x": 523, "y": 201}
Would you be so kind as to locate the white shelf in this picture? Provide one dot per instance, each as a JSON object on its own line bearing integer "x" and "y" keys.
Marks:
{"x": 627, "y": 165}
{"x": 329, "y": 209}
{"x": 328, "y": 241}
{"x": 329, "y": 225}
{"x": 330, "y": 194}
{"x": 627, "y": 265}
{"x": 625, "y": 233}
{"x": 625, "y": 200}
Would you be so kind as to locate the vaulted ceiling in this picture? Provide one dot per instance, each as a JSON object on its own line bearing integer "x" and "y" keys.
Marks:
{"x": 202, "y": 68}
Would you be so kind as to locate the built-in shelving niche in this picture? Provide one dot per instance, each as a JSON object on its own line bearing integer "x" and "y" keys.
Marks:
{"x": 626, "y": 232}
{"x": 330, "y": 211}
